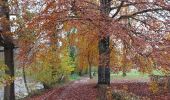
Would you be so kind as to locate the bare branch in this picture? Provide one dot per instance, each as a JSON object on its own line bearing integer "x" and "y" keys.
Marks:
{"x": 142, "y": 12}
{"x": 118, "y": 9}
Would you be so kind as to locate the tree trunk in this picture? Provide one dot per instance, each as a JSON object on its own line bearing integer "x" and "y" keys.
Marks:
{"x": 104, "y": 51}
{"x": 104, "y": 58}
{"x": 9, "y": 92}
{"x": 46, "y": 87}
{"x": 80, "y": 73}
{"x": 124, "y": 74}
{"x": 104, "y": 92}
{"x": 86, "y": 71}
{"x": 90, "y": 75}
{"x": 90, "y": 67}
{"x": 124, "y": 60}
{"x": 25, "y": 80}
{"x": 104, "y": 70}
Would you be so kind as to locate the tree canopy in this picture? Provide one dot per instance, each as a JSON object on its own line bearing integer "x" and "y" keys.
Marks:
{"x": 142, "y": 26}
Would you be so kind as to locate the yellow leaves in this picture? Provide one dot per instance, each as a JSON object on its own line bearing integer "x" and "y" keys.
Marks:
{"x": 165, "y": 69}
{"x": 146, "y": 64}
{"x": 117, "y": 59}
{"x": 51, "y": 64}
{"x": 86, "y": 42}
{"x": 4, "y": 78}
{"x": 87, "y": 50}
{"x": 7, "y": 80}
{"x": 153, "y": 87}
{"x": 167, "y": 36}
{"x": 3, "y": 67}
{"x": 67, "y": 26}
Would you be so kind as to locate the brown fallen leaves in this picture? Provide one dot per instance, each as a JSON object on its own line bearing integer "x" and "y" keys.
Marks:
{"x": 78, "y": 91}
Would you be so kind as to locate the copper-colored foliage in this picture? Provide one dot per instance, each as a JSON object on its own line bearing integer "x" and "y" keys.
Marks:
{"x": 138, "y": 24}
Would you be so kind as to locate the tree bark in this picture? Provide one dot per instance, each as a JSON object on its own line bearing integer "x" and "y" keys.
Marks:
{"x": 90, "y": 68}
{"x": 46, "y": 87}
{"x": 25, "y": 80}
{"x": 104, "y": 57}
{"x": 80, "y": 72}
{"x": 104, "y": 51}
{"x": 90, "y": 75}
{"x": 124, "y": 69}
{"x": 9, "y": 92}
{"x": 104, "y": 60}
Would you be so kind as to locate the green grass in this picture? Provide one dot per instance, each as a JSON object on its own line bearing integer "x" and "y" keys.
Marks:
{"x": 74, "y": 77}
{"x": 134, "y": 74}
{"x": 158, "y": 72}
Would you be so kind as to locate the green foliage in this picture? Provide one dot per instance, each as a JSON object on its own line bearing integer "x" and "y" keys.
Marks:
{"x": 67, "y": 63}
{"x": 74, "y": 77}
{"x": 4, "y": 78}
{"x": 72, "y": 50}
{"x": 50, "y": 68}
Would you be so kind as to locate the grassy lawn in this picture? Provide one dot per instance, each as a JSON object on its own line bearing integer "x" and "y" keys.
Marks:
{"x": 134, "y": 74}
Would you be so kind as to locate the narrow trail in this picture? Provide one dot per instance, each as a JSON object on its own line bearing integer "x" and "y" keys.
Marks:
{"x": 83, "y": 89}
{"x": 72, "y": 88}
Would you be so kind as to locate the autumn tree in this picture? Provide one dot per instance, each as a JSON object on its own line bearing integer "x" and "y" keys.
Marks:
{"x": 6, "y": 40}
{"x": 143, "y": 30}
{"x": 87, "y": 53}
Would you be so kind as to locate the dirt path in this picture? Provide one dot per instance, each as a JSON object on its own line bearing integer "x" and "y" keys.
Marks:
{"x": 71, "y": 88}
{"x": 83, "y": 89}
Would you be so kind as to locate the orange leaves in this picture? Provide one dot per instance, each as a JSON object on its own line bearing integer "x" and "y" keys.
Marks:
{"x": 86, "y": 43}
{"x": 167, "y": 36}
{"x": 61, "y": 16}
{"x": 67, "y": 26}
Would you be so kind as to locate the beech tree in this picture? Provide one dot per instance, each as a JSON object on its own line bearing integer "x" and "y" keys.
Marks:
{"x": 6, "y": 40}
{"x": 144, "y": 30}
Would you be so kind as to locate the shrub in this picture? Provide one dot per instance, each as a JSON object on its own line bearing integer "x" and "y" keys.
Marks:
{"x": 124, "y": 95}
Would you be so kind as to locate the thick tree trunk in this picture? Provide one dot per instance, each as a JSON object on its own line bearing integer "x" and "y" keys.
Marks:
{"x": 104, "y": 58}
{"x": 104, "y": 51}
{"x": 9, "y": 92}
{"x": 104, "y": 70}
{"x": 104, "y": 92}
